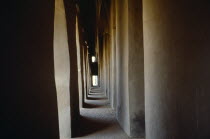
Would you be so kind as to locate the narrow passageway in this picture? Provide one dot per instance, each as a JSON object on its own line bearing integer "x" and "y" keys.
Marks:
{"x": 105, "y": 69}
{"x": 103, "y": 95}
{"x": 98, "y": 118}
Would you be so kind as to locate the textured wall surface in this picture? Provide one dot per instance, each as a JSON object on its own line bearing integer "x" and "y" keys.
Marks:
{"x": 70, "y": 9}
{"x": 62, "y": 69}
{"x": 129, "y": 66}
{"x": 79, "y": 65}
{"x": 122, "y": 64}
{"x": 113, "y": 54}
{"x": 176, "y": 43}
{"x": 136, "y": 68}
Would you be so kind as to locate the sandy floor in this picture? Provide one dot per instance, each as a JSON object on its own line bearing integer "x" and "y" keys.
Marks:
{"x": 98, "y": 120}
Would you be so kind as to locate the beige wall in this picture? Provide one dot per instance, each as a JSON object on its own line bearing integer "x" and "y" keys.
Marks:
{"x": 122, "y": 64}
{"x": 79, "y": 57}
{"x": 176, "y": 46}
{"x": 136, "y": 68}
{"x": 62, "y": 70}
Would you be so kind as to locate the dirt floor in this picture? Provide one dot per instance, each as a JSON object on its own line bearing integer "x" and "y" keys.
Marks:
{"x": 98, "y": 119}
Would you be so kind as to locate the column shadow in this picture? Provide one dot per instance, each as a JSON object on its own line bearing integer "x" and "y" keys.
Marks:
{"x": 88, "y": 126}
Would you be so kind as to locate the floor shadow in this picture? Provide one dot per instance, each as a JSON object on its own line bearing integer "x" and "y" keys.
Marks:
{"x": 98, "y": 94}
{"x": 91, "y": 105}
{"x": 87, "y": 126}
{"x": 96, "y": 98}
{"x": 97, "y": 91}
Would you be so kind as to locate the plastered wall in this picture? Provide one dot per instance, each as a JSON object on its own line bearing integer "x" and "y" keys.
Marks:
{"x": 62, "y": 70}
{"x": 176, "y": 44}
